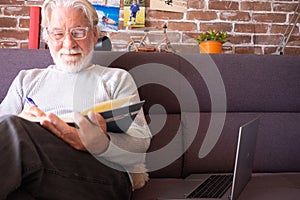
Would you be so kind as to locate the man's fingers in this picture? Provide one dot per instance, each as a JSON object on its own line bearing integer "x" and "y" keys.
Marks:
{"x": 97, "y": 119}
{"x": 81, "y": 121}
{"x": 91, "y": 132}
{"x": 62, "y": 130}
{"x": 48, "y": 125}
{"x": 35, "y": 111}
{"x": 94, "y": 117}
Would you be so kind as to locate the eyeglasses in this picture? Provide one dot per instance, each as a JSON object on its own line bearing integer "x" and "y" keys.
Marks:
{"x": 78, "y": 33}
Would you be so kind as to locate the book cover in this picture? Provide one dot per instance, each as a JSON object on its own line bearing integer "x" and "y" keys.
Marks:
{"x": 118, "y": 113}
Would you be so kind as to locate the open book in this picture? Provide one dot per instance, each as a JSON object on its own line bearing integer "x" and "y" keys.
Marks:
{"x": 118, "y": 113}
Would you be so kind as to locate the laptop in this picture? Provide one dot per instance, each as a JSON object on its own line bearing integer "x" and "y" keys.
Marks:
{"x": 221, "y": 186}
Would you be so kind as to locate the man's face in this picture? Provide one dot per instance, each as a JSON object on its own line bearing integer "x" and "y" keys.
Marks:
{"x": 69, "y": 54}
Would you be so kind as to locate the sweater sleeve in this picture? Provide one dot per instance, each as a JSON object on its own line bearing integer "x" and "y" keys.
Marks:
{"x": 128, "y": 149}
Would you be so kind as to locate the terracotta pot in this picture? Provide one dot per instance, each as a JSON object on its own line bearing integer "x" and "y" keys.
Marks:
{"x": 210, "y": 47}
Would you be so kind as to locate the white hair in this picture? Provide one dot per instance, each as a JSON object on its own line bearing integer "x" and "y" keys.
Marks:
{"x": 84, "y": 5}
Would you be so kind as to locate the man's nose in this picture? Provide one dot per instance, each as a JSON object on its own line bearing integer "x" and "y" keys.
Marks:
{"x": 69, "y": 42}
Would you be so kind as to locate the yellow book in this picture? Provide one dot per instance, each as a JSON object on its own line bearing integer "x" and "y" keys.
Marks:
{"x": 118, "y": 113}
{"x": 109, "y": 105}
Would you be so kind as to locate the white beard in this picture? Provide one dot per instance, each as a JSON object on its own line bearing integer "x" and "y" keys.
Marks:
{"x": 72, "y": 65}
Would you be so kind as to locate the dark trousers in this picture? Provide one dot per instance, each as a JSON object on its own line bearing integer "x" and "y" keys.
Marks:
{"x": 35, "y": 164}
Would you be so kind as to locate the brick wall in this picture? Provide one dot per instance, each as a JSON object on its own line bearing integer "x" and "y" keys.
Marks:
{"x": 255, "y": 26}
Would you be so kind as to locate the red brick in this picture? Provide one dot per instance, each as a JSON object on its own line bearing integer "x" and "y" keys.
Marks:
{"x": 267, "y": 39}
{"x": 11, "y": 2}
{"x": 284, "y": 7}
{"x": 24, "y": 23}
{"x": 24, "y": 45}
{"x": 250, "y": 28}
{"x": 196, "y": 4}
{"x": 198, "y": 18}
{"x": 183, "y": 48}
{"x": 122, "y": 36}
{"x": 202, "y": 15}
{"x": 121, "y": 4}
{"x": 269, "y": 17}
{"x": 286, "y": 51}
{"x": 270, "y": 50}
{"x": 8, "y": 44}
{"x": 235, "y": 16}
{"x": 19, "y": 2}
{"x": 165, "y": 15}
{"x": 174, "y": 37}
{"x": 294, "y": 41}
{"x": 13, "y": 35}
{"x": 223, "y": 5}
{"x": 216, "y": 26}
{"x": 154, "y": 24}
{"x": 182, "y": 26}
{"x": 248, "y": 50}
{"x": 240, "y": 39}
{"x": 147, "y": 3}
{"x": 293, "y": 17}
{"x": 292, "y": 51}
{"x": 17, "y": 10}
{"x": 8, "y": 22}
{"x": 282, "y": 29}
{"x": 188, "y": 37}
{"x": 121, "y": 25}
{"x": 257, "y": 6}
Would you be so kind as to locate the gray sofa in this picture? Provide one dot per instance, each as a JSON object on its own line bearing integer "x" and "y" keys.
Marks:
{"x": 190, "y": 97}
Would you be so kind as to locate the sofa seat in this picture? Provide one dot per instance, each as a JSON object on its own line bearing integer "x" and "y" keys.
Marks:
{"x": 154, "y": 188}
{"x": 262, "y": 186}
{"x": 272, "y": 186}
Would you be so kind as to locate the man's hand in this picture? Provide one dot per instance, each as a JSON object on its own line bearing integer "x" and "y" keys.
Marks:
{"x": 32, "y": 113}
{"x": 91, "y": 135}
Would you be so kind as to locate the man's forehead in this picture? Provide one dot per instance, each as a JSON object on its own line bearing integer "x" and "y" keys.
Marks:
{"x": 68, "y": 17}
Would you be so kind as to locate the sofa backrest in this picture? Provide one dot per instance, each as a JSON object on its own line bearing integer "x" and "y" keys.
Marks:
{"x": 14, "y": 60}
{"x": 255, "y": 85}
{"x": 184, "y": 93}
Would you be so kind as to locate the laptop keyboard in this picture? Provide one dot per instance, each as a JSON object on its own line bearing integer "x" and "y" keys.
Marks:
{"x": 214, "y": 187}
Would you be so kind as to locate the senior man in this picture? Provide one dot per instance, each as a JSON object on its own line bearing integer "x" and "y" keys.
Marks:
{"x": 50, "y": 159}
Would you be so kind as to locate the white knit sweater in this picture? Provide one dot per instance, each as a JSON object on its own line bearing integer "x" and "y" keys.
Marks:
{"x": 63, "y": 93}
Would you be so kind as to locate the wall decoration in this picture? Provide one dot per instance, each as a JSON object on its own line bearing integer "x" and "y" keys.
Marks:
{"x": 134, "y": 13}
{"x": 169, "y": 5}
{"x": 108, "y": 13}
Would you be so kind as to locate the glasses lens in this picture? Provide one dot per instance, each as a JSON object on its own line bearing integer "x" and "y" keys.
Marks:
{"x": 79, "y": 33}
{"x": 57, "y": 34}
{"x": 76, "y": 33}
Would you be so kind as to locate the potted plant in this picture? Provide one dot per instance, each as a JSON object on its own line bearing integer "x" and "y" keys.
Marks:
{"x": 211, "y": 41}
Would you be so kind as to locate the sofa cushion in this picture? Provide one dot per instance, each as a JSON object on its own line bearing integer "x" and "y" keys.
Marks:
{"x": 278, "y": 143}
{"x": 222, "y": 155}
{"x": 164, "y": 157}
{"x": 277, "y": 146}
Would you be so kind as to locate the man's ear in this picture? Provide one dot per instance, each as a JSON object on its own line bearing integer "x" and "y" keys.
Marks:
{"x": 96, "y": 35}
